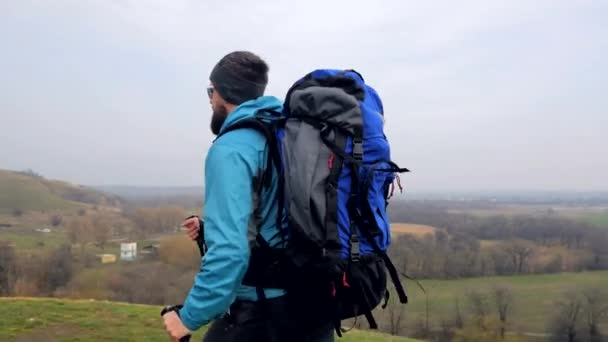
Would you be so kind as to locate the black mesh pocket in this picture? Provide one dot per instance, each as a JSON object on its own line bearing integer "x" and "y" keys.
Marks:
{"x": 363, "y": 287}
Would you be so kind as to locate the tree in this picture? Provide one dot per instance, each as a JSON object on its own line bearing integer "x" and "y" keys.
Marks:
{"x": 8, "y": 268}
{"x": 56, "y": 220}
{"x": 58, "y": 269}
{"x": 566, "y": 318}
{"x": 157, "y": 220}
{"x": 519, "y": 252}
{"x": 396, "y": 315}
{"x": 503, "y": 298}
{"x": 478, "y": 303}
{"x": 179, "y": 251}
{"x": 458, "y": 318}
{"x": 101, "y": 230}
{"x": 79, "y": 231}
{"x": 595, "y": 302}
{"x": 17, "y": 212}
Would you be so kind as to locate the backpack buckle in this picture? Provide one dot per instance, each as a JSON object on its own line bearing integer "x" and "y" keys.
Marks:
{"x": 354, "y": 247}
{"x": 358, "y": 149}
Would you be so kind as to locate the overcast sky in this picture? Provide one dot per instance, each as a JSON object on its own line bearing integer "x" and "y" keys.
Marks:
{"x": 479, "y": 95}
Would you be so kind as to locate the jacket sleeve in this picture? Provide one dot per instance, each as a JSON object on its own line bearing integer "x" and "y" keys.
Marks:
{"x": 227, "y": 210}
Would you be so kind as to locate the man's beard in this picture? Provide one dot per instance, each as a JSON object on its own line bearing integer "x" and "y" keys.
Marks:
{"x": 217, "y": 119}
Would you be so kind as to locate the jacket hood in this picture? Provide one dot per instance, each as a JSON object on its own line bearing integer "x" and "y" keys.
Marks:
{"x": 251, "y": 108}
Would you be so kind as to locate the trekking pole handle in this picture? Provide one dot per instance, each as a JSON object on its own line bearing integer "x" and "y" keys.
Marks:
{"x": 175, "y": 308}
{"x": 200, "y": 239}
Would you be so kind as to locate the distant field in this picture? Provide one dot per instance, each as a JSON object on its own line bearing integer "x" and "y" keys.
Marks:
{"x": 31, "y": 240}
{"x": 489, "y": 243}
{"x": 594, "y": 215}
{"x": 413, "y": 229}
{"x": 534, "y": 296}
{"x": 27, "y": 319}
{"x": 600, "y": 219}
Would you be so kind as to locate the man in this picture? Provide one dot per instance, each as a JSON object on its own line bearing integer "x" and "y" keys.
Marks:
{"x": 233, "y": 167}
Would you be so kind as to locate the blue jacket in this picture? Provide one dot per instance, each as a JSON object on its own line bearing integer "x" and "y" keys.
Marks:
{"x": 230, "y": 167}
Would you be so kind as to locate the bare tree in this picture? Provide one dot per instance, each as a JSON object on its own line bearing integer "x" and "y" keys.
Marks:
{"x": 396, "y": 315}
{"x": 56, "y": 220}
{"x": 567, "y": 317}
{"x": 519, "y": 252}
{"x": 101, "y": 230}
{"x": 458, "y": 318}
{"x": 503, "y": 298}
{"x": 79, "y": 231}
{"x": 479, "y": 307}
{"x": 595, "y": 310}
{"x": 57, "y": 270}
{"x": 8, "y": 268}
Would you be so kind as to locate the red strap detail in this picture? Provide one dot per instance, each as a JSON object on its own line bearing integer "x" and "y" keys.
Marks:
{"x": 344, "y": 283}
{"x": 330, "y": 161}
{"x": 333, "y": 291}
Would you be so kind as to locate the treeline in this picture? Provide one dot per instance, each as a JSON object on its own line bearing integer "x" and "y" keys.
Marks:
{"x": 155, "y": 220}
{"x": 514, "y": 245}
{"x": 36, "y": 274}
{"x": 444, "y": 256}
{"x": 65, "y": 272}
{"x": 134, "y": 223}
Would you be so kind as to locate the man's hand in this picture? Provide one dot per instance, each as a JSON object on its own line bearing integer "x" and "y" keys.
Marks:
{"x": 174, "y": 326}
{"x": 193, "y": 227}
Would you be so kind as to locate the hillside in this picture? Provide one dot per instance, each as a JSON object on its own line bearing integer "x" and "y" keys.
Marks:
{"x": 26, "y": 191}
{"x": 29, "y": 319}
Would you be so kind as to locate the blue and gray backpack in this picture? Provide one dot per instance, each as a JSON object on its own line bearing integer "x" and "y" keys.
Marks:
{"x": 329, "y": 148}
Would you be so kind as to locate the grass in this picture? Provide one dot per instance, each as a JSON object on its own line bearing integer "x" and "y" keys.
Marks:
{"x": 30, "y": 239}
{"x": 26, "y": 192}
{"x": 599, "y": 219}
{"x": 534, "y": 296}
{"x": 26, "y": 319}
{"x": 417, "y": 230}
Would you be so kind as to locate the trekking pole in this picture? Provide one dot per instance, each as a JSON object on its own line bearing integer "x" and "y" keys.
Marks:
{"x": 202, "y": 248}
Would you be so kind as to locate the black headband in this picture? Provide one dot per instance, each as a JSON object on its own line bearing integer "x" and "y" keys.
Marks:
{"x": 234, "y": 89}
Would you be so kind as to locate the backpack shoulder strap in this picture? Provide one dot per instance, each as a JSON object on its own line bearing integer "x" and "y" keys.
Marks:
{"x": 268, "y": 131}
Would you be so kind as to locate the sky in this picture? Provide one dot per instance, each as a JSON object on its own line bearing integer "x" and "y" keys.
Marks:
{"x": 478, "y": 95}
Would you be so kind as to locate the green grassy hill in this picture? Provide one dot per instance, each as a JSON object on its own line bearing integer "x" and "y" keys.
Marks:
{"x": 28, "y": 192}
{"x": 29, "y": 319}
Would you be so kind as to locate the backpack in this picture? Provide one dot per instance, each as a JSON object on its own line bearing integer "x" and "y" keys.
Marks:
{"x": 333, "y": 159}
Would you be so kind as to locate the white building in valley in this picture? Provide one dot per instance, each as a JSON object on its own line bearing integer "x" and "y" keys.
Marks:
{"x": 128, "y": 251}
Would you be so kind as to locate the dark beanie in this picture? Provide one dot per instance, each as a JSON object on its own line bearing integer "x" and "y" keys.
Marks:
{"x": 234, "y": 88}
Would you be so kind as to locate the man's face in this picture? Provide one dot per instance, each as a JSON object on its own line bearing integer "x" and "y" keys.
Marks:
{"x": 220, "y": 112}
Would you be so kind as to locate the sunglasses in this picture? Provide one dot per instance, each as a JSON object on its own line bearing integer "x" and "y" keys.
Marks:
{"x": 210, "y": 92}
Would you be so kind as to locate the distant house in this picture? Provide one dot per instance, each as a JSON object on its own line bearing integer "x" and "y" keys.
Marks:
{"x": 106, "y": 258}
{"x": 128, "y": 251}
{"x": 43, "y": 230}
{"x": 150, "y": 251}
